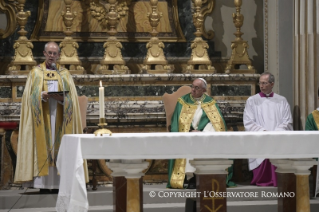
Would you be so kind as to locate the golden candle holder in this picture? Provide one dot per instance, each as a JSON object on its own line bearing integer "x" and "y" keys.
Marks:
{"x": 102, "y": 125}
{"x": 239, "y": 55}
{"x": 23, "y": 60}
{"x": 199, "y": 61}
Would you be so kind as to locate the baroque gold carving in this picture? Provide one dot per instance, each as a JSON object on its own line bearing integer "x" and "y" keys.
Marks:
{"x": 23, "y": 47}
{"x": 69, "y": 54}
{"x": 155, "y": 61}
{"x": 100, "y": 12}
{"x": 207, "y": 8}
{"x": 112, "y": 62}
{"x": 9, "y": 10}
{"x": 131, "y": 27}
{"x": 239, "y": 47}
{"x": 199, "y": 61}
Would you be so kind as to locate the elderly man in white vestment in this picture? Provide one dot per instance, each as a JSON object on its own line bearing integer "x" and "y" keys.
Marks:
{"x": 266, "y": 111}
{"x": 45, "y": 118}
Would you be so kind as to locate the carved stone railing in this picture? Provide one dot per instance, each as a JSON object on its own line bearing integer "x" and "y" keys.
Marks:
{"x": 136, "y": 99}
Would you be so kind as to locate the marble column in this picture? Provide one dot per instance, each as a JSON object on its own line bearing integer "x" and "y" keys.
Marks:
{"x": 302, "y": 172}
{"x": 278, "y": 45}
{"x": 119, "y": 186}
{"x": 286, "y": 183}
{"x": 211, "y": 177}
{"x": 306, "y": 48}
{"x": 133, "y": 169}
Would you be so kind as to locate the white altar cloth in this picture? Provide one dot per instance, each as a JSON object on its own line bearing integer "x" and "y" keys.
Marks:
{"x": 74, "y": 148}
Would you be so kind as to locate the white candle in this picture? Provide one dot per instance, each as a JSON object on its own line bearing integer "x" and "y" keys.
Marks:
{"x": 101, "y": 100}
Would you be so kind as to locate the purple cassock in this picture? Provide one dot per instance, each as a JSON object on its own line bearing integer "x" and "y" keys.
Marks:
{"x": 266, "y": 113}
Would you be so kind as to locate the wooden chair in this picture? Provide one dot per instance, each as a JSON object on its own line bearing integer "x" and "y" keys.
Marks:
{"x": 83, "y": 103}
{"x": 170, "y": 101}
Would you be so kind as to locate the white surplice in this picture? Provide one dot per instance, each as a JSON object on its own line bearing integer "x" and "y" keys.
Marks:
{"x": 266, "y": 113}
{"x": 51, "y": 181}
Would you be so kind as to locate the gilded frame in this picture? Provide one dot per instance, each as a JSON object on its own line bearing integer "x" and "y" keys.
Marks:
{"x": 9, "y": 10}
{"x": 39, "y": 34}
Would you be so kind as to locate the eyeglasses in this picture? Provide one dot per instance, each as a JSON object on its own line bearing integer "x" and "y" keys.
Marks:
{"x": 51, "y": 53}
{"x": 195, "y": 87}
{"x": 263, "y": 83}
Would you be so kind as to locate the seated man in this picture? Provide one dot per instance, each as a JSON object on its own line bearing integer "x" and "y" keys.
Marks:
{"x": 194, "y": 112}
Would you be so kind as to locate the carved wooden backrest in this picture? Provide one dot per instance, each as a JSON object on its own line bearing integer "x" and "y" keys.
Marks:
{"x": 170, "y": 101}
{"x": 83, "y": 103}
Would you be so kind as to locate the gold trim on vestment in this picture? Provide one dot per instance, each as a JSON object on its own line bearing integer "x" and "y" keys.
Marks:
{"x": 186, "y": 116}
{"x": 315, "y": 115}
{"x": 214, "y": 116}
{"x": 184, "y": 124}
{"x": 178, "y": 174}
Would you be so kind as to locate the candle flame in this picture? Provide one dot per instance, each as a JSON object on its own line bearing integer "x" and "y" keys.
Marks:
{"x": 100, "y": 83}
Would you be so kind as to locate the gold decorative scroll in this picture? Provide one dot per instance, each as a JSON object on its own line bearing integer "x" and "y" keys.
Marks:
{"x": 207, "y": 8}
{"x": 8, "y": 8}
{"x": 90, "y": 24}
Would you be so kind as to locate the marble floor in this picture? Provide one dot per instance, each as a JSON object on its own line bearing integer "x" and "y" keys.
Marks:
{"x": 101, "y": 200}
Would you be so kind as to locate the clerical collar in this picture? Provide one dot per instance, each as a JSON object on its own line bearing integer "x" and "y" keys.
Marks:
{"x": 200, "y": 99}
{"x": 266, "y": 95}
{"x": 49, "y": 67}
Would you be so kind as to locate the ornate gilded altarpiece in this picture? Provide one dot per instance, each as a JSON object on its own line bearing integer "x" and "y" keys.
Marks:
{"x": 133, "y": 102}
{"x": 90, "y": 24}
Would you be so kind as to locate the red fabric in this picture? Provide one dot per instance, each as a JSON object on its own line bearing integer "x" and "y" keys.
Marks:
{"x": 8, "y": 125}
{"x": 265, "y": 175}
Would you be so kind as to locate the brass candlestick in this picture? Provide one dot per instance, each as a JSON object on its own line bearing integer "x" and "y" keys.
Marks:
{"x": 113, "y": 62}
{"x": 199, "y": 57}
{"x": 102, "y": 128}
{"x": 23, "y": 47}
{"x": 155, "y": 61}
{"x": 69, "y": 54}
{"x": 239, "y": 47}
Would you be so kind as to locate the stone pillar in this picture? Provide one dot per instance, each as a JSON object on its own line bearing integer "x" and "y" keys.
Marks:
{"x": 278, "y": 45}
{"x": 286, "y": 183}
{"x": 306, "y": 48}
{"x": 133, "y": 169}
{"x": 211, "y": 177}
{"x": 119, "y": 186}
{"x": 302, "y": 172}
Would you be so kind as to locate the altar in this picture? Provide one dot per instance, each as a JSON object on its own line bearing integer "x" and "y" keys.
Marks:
{"x": 291, "y": 152}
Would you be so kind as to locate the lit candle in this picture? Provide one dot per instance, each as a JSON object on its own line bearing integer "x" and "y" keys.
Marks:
{"x": 101, "y": 100}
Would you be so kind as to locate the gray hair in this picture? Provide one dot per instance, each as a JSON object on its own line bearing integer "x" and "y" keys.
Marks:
{"x": 46, "y": 45}
{"x": 204, "y": 83}
{"x": 271, "y": 76}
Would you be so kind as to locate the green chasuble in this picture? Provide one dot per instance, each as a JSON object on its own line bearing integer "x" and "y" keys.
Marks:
{"x": 182, "y": 122}
{"x": 312, "y": 122}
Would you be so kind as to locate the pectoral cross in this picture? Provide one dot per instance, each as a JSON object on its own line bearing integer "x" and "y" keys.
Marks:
{"x": 50, "y": 75}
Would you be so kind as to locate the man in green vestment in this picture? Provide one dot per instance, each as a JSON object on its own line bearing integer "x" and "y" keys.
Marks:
{"x": 312, "y": 123}
{"x": 194, "y": 112}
